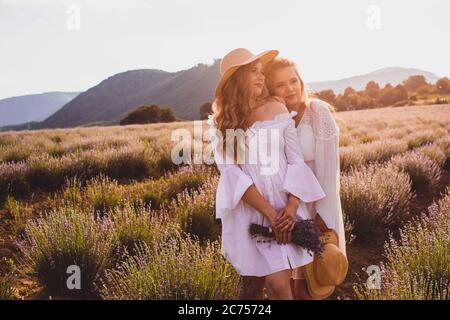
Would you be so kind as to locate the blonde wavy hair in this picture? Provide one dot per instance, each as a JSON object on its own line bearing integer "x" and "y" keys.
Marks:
{"x": 231, "y": 106}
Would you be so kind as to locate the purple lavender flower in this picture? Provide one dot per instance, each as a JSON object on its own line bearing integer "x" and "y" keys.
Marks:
{"x": 303, "y": 234}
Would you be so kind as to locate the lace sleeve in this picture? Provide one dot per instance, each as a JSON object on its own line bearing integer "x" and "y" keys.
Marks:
{"x": 327, "y": 169}
{"x": 325, "y": 125}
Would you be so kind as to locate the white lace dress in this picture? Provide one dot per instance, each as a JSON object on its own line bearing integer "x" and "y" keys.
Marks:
{"x": 319, "y": 142}
{"x": 247, "y": 255}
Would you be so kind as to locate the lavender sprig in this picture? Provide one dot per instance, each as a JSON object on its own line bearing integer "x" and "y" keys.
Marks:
{"x": 303, "y": 234}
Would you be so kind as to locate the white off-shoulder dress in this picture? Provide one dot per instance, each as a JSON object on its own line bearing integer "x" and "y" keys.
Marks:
{"x": 247, "y": 255}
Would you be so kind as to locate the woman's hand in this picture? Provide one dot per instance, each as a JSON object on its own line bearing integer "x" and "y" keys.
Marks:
{"x": 284, "y": 224}
{"x": 286, "y": 219}
{"x": 271, "y": 215}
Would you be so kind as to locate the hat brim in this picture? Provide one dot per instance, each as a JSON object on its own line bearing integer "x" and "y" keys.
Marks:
{"x": 264, "y": 57}
{"x": 315, "y": 289}
{"x": 329, "y": 236}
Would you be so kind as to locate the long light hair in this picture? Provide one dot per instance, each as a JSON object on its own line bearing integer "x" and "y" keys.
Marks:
{"x": 232, "y": 105}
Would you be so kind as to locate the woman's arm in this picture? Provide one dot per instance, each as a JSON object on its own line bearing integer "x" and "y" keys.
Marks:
{"x": 254, "y": 198}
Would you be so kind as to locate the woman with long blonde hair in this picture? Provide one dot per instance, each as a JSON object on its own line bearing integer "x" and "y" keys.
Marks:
{"x": 248, "y": 190}
{"x": 318, "y": 141}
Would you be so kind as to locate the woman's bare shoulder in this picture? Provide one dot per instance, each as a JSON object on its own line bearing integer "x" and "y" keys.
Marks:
{"x": 273, "y": 107}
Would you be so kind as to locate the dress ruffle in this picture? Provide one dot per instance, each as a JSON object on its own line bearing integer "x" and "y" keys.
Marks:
{"x": 282, "y": 117}
{"x": 301, "y": 182}
{"x": 232, "y": 185}
{"x": 299, "y": 179}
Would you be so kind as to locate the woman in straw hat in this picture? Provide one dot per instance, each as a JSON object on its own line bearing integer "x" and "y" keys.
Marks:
{"x": 319, "y": 143}
{"x": 249, "y": 193}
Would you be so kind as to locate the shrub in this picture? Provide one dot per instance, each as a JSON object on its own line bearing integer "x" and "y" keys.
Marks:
{"x": 129, "y": 163}
{"x": 381, "y": 150}
{"x": 18, "y": 213}
{"x": 349, "y": 158}
{"x": 188, "y": 178}
{"x": 401, "y": 103}
{"x": 7, "y": 140}
{"x": 444, "y": 145}
{"x": 345, "y": 140}
{"x": 63, "y": 237}
{"x": 104, "y": 194}
{"x": 12, "y": 180}
{"x": 56, "y": 138}
{"x": 424, "y": 173}
{"x": 176, "y": 269}
{"x": 7, "y": 280}
{"x": 205, "y": 110}
{"x": 152, "y": 197}
{"x": 163, "y": 162}
{"x": 159, "y": 193}
{"x": 72, "y": 193}
{"x": 56, "y": 151}
{"x": 440, "y": 100}
{"x": 416, "y": 265}
{"x": 44, "y": 172}
{"x": 6, "y": 291}
{"x": 377, "y": 151}
{"x": 195, "y": 213}
{"x": 140, "y": 225}
{"x": 149, "y": 114}
{"x": 419, "y": 139}
{"x": 47, "y": 173}
{"x": 434, "y": 153}
{"x": 372, "y": 202}
{"x": 14, "y": 154}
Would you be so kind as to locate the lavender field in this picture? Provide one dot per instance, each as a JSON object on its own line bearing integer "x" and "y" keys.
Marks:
{"x": 111, "y": 201}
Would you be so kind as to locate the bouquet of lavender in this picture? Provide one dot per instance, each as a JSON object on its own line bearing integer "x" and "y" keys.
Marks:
{"x": 304, "y": 234}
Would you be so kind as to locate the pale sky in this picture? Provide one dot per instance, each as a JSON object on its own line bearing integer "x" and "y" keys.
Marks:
{"x": 44, "y": 48}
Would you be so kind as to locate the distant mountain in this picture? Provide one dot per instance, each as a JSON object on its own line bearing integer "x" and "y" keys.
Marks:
{"x": 113, "y": 98}
{"x": 33, "y": 107}
{"x": 184, "y": 91}
{"x": 392, "y": 75}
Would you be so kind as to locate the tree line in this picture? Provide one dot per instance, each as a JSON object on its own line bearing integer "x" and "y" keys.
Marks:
{"x": 373, "y": 96}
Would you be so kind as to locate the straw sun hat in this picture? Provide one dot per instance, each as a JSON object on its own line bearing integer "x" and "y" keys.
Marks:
{"x": 324, "y": 274}
{"x": 240, "y": 57}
